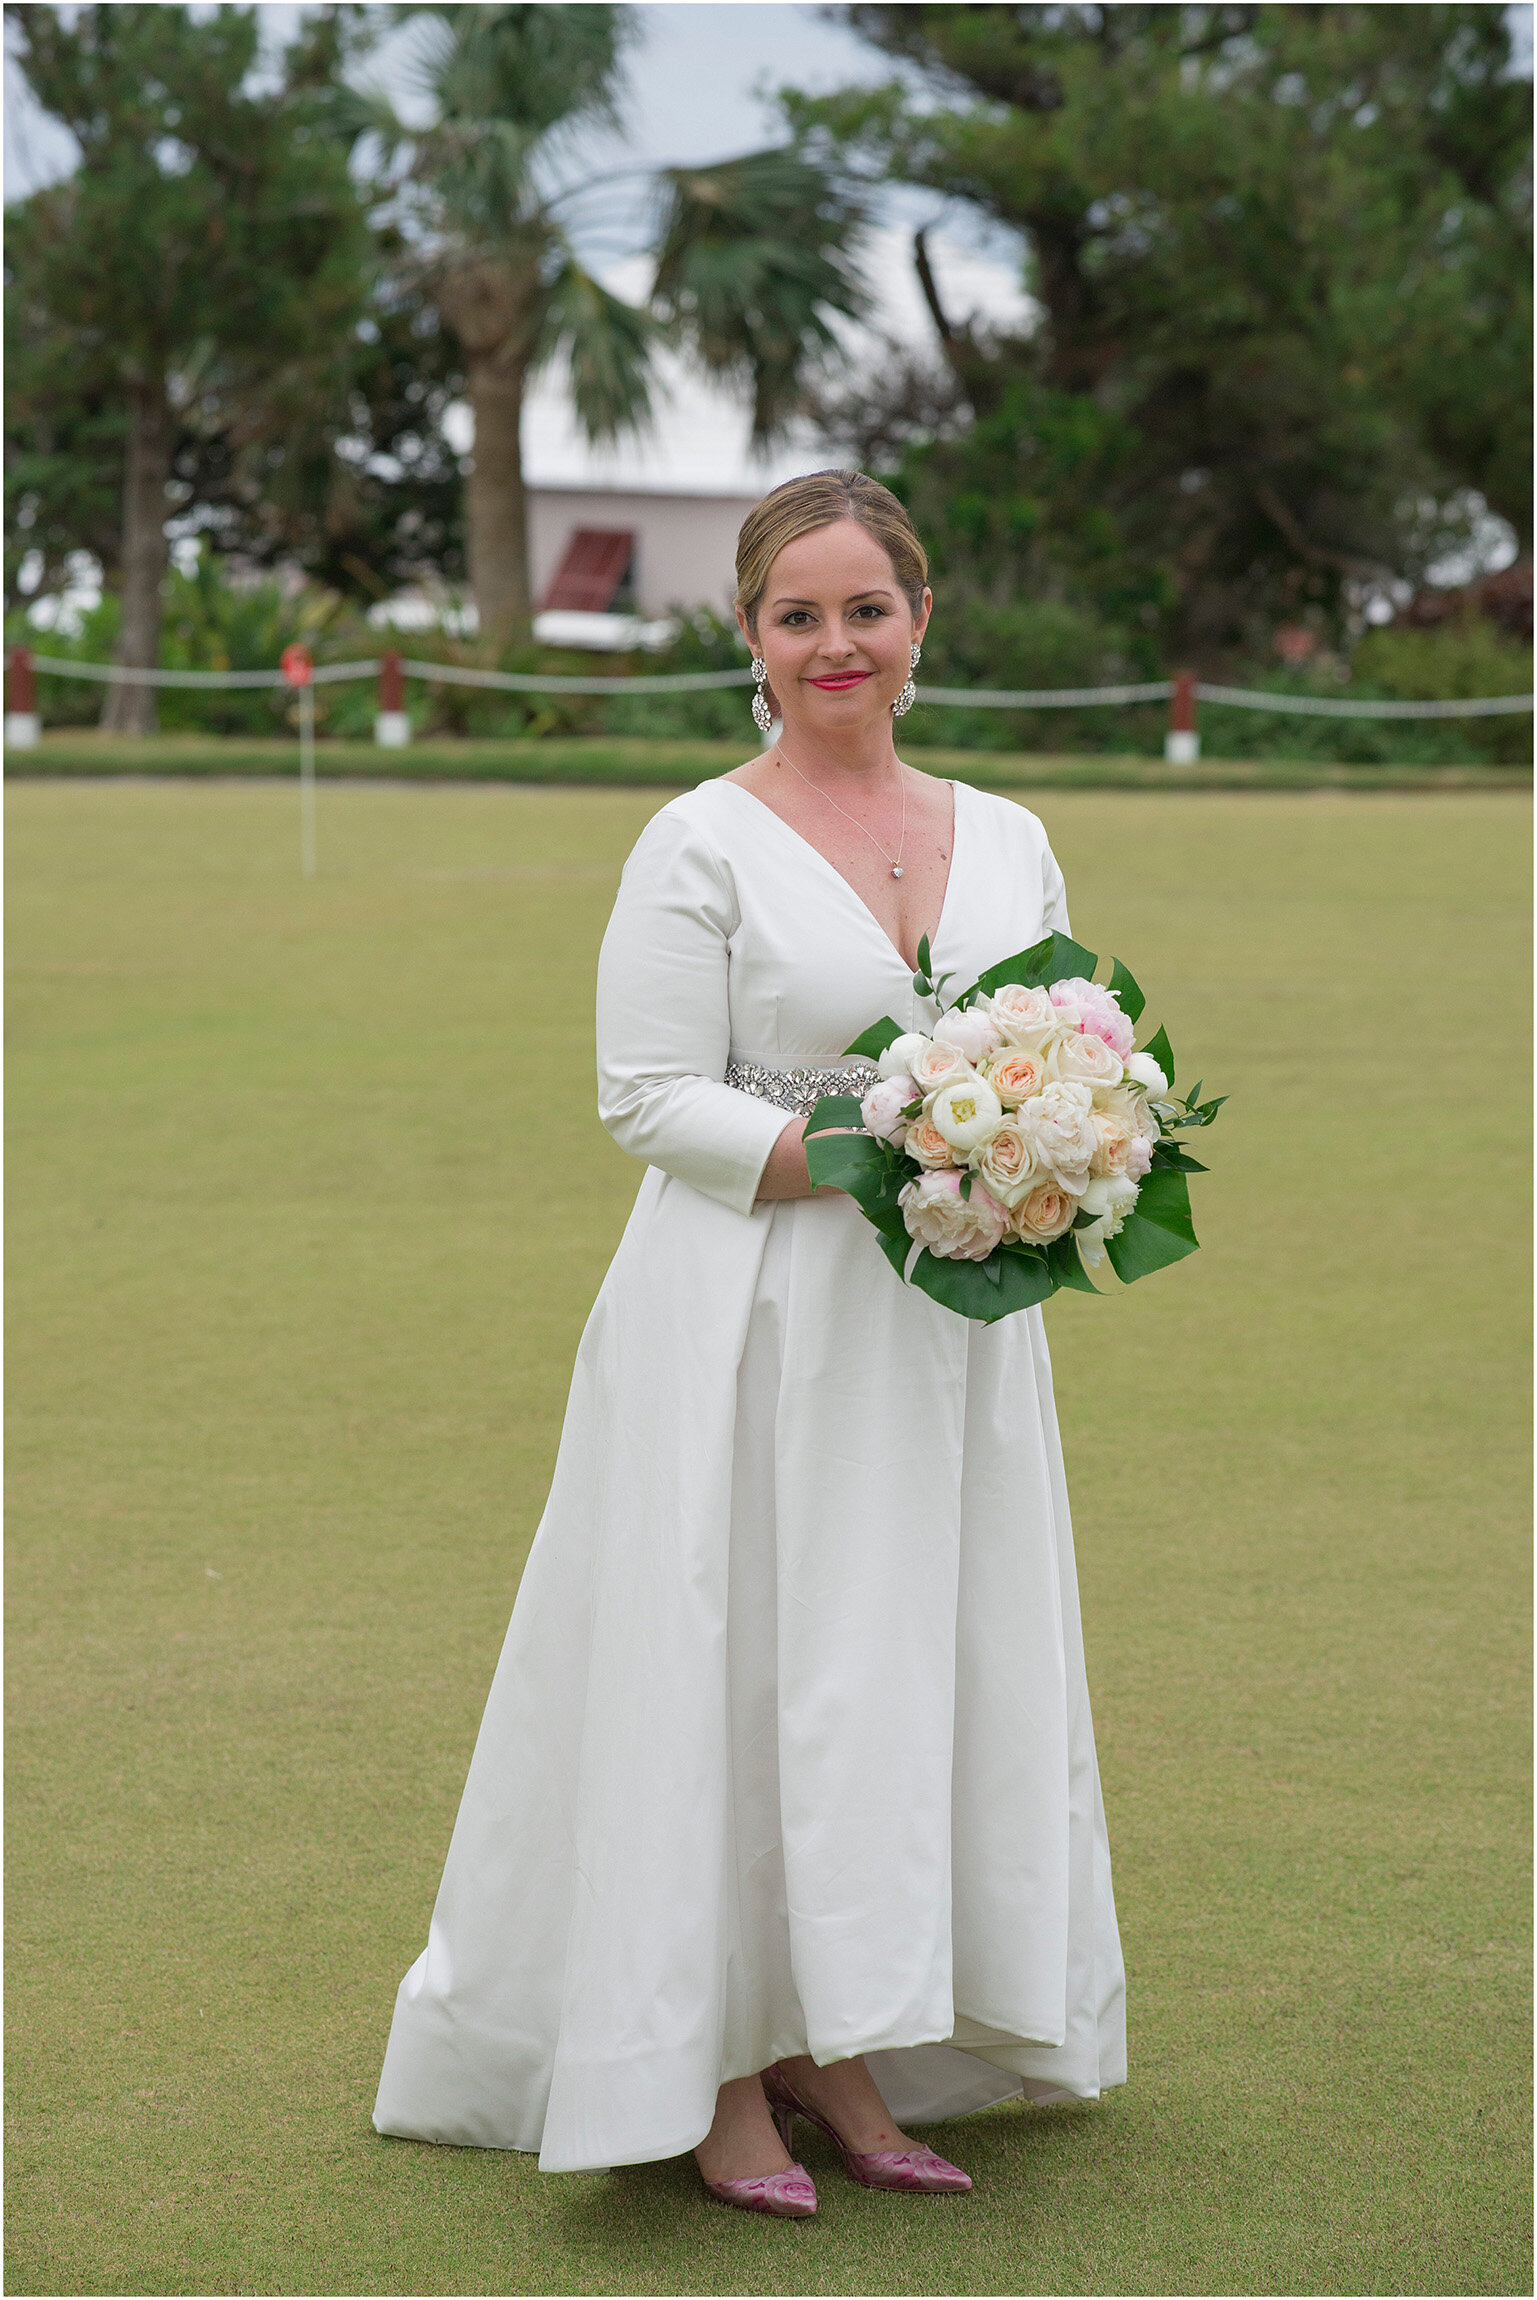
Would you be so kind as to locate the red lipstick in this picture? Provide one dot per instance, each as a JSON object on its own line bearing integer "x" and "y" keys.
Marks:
{"x": 836, "y": 682}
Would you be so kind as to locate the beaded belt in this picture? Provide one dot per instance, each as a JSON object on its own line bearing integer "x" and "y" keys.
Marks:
{"x": 800, "y": 1090}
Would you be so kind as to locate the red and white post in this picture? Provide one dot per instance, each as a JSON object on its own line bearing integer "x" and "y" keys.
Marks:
{"x": 392, "y": 722}
{"x": 23, "y": 727}
{"x": 297, "y": 665}
{"x": 1182, "y": 743}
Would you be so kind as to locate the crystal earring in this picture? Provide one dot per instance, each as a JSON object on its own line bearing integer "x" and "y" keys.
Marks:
{"x": 909, "y": 694}
{"x": 763, "y": 717}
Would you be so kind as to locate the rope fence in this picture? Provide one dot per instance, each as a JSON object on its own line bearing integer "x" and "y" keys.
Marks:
{"x": 298, "y": 671}
{"x": 1183, "y": 691}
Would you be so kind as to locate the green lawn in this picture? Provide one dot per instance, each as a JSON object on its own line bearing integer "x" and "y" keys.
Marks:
{"x": 640, "y": 762}
{"x": 290, "y": 1343}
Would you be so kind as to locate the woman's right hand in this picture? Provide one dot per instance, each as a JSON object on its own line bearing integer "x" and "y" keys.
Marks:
{"x": 785, "y": 1174}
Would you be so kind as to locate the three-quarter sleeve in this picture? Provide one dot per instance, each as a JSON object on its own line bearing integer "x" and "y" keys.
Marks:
{"x": 1053, "y": 892}
{"x": 664, "y": 1023}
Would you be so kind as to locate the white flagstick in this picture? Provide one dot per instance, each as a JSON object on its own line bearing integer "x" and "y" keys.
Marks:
{"x": 307, "y": 781}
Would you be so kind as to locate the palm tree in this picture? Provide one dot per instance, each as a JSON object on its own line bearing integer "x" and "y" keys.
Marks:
{"x": 753, "y": 256}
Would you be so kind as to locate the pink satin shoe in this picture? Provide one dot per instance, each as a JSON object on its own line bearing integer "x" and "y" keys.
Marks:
{"x": 786, "y": 2195}
{"x": 918, "y": 2170}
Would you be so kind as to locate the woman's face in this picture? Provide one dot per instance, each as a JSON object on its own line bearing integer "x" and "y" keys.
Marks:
{"x": 835, "y": 629}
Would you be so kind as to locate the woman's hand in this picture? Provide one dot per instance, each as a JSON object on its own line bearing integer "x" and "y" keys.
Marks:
{"x": 785, "y": 1175}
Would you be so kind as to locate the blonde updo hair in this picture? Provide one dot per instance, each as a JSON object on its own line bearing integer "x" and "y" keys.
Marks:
{"x": 801, "y": 506}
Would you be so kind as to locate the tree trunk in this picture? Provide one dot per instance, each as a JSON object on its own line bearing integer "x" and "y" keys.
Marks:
{"x": 496, "y": 502}
{"x": 131, "y": 710}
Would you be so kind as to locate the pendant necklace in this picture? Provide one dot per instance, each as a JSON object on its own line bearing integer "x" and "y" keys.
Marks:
{"x": 894, "y": 860}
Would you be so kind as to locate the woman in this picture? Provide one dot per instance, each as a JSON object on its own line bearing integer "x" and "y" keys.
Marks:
{"x": 785, "y": 1800}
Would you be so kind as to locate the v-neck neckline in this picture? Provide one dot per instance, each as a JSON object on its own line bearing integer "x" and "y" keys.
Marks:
{"x": 847, "y": 885}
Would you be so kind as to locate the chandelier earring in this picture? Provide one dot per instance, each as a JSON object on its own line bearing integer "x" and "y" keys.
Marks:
{"x": 909, "y": 694}
{"x": 763, "y": 717}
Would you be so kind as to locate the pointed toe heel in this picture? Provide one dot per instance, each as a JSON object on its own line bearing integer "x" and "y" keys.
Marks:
{"x": 918, "y": 2171}
{"x": 783, "y": 2195}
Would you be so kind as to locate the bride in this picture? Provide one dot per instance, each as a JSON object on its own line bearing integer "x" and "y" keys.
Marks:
{"x": 785, "y": 1803}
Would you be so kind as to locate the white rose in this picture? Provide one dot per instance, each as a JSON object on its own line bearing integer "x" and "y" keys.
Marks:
{"x": 1024, "y": 1017}
{"x": 1059, "y": 1125}
{"x": 1149, "y": 1077}
{"x": 1080, "y": 1055}
{"x": 935, "y": 1066}
{"x": 1130, "y": 1105}
{"x": 967, "y": 1114}
{"x": 1006, "y": 1164}
{"x": 883, "y": 1106}
{"x": 897, "y": 1060}
{"x": 973, "y": 1033}
{"x": 952, "y": 1227}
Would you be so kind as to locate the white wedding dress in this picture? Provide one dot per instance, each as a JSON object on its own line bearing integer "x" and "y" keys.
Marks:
{"x": 789, "y": 1748}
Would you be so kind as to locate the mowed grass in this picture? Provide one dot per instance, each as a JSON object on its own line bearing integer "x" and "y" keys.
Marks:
{"x": 308, "y": 1205}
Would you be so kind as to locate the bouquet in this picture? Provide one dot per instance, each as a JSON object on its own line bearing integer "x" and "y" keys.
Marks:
{"x": 1021, "y": 1141}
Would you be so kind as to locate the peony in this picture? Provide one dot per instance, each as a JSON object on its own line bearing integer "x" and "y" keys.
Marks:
{"x": 1098, "y": 1012}
{"x": 1015, "y": 1075}
{"x": 1109, "y": 1201}
{"x": 897, "y": 1060}
{"x": 1113, "y": 1141}
{"x": 1059, "y": 1126}
{"x": 1025, "y": 1017}
{"x": 972, "y": 1033}
{"x": 955, "y": 1228}
{"x": 1149, "y": 1077}
{"x": 1081, "y": 1055}
{"x": 967, "y": 1114}
{"x": 1006, "y": 1164}
{"x": 934, "y": 1066}
{"x": 1139, "y": 1158}
{"x": 926, "y": 1144}
{"x": 1044, "y": 1213}
{"x": 883, "y": 1106}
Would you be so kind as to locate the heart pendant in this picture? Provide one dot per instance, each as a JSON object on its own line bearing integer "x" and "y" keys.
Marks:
{"x": 896, "y": 870}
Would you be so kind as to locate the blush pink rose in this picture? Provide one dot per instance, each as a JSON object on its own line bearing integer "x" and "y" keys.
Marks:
{"x": 1139, "y": 1158}
{"x": 925, "y": 1143}
{"x": 1014, "y": 1075}
{"x": 935, "y": 1065}
{"x": 1113, "y": 1141}
{"x": 952, "y": 1227}
{"x": 1045, "y": 1214}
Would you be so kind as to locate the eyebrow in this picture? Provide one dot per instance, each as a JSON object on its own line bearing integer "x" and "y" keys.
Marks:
{"x": 876, "y": 591}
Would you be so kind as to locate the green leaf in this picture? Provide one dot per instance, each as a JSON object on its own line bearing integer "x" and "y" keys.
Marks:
{"x": 1194, "y": 1096}
{"x": 966, "y": 1181}
{"x": 873, "y": 1042}
{"x": 855, "y": 1163}
{"x": 1126, "y": 989}
{"x": 925, "y": 960}
{"x": 1066, "y": 1265}
{"x": 973, "y": 1291}
{"x": 1162, "y": 1052}
{"x": 1042, "y": 963}
{"x": 1164, "y": 1197}
{"x": 834, "y": 1110}
{"x": 1158, "y": 1231}
{"x": 1169, "y": 1154}
{"x": 896, "y": 1245}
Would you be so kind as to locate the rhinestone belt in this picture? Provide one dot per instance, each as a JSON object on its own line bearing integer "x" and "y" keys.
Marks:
{"x": 800, "y": 1090}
